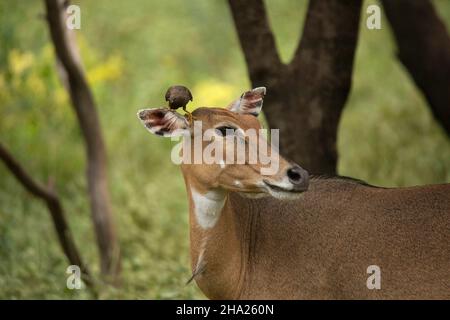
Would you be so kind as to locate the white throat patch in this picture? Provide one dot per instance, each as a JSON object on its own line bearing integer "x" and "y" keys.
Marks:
{"x": 207, "y": 207}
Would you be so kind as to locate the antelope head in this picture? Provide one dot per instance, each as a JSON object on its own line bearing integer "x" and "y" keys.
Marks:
{"x": 225, "y": 149}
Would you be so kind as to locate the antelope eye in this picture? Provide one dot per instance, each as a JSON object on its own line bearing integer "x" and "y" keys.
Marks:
{"x": 225, "y": 130}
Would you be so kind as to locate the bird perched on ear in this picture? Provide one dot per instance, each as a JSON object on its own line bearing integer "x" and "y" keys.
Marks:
{"x": 178, "y": 97}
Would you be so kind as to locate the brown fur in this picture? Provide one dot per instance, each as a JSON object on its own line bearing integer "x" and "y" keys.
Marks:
{"x": 319, "y": 246}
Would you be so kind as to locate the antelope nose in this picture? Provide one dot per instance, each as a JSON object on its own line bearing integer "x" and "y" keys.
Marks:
{"x": 299, "y": 177}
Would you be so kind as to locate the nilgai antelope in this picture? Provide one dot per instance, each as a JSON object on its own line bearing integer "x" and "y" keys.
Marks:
{"x": 291, "y": 236}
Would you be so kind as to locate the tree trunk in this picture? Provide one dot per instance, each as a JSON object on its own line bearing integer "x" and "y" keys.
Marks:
{"x": 424, "y": 49}
{"x": 85, "y": 109}
{"x": 305, "y": 97}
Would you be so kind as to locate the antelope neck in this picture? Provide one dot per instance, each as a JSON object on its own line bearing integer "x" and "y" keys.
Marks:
{"x": 218, "y": 243}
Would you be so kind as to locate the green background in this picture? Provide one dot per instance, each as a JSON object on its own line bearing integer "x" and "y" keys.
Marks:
{"x": 132, "y": 51}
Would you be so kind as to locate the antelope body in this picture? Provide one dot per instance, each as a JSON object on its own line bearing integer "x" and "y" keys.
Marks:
{"x": 301, "y": 237}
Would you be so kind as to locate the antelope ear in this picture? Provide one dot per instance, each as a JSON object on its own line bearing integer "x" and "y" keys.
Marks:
{"x": 249, "y": 103}
{"x": 164, "y": 122}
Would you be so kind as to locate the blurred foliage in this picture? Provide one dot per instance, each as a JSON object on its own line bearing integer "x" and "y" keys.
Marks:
{"x": 132, "y": 52}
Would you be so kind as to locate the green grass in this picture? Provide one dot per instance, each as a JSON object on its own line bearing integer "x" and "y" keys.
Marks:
{"x": 132, "y": 52}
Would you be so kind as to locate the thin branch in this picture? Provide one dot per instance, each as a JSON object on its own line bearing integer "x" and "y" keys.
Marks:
{"x": 85, "y": 109}
{"x": 56, "y": 211}
{"x": 256, "y": 38}
{"x": 424, "y": 49}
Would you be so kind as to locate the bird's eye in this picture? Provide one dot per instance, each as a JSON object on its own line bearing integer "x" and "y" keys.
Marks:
{"x": 225, "y": 130}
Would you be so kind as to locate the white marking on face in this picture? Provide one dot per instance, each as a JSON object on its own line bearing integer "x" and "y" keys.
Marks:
{"x": 207, "y": 207}
{"x": 237, "y": 183}
{"x": 222, "y": 164}
{"x": 254, "y": 195}
{"x": 284, "y": 184}
{"x": 283, "y": 195}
